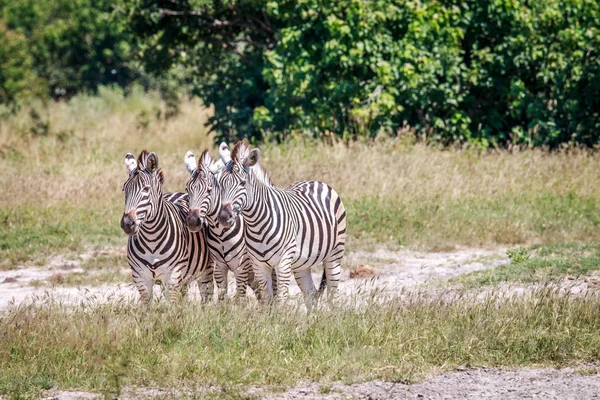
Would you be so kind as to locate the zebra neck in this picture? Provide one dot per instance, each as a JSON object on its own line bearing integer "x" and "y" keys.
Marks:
{"x": 158, "y": 217}
{"x": 260, "y": 193}
{"x": 214, "y": 205}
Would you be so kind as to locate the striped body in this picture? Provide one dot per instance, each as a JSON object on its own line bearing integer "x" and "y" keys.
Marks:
{"x": 227, "y": 245}
{"x": 161, "y": 249}
{"x": 289, "y": 230}
{"x": 165, "y": 251}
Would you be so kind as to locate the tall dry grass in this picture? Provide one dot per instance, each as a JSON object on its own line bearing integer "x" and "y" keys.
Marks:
{"x": 103, "y": 347}
{"x": 62, "y": 176}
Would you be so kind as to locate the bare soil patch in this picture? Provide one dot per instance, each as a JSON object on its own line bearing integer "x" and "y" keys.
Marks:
{"x": 390, "y": 273}
{"x": 481, "y": 383}
{"x": 476, "y": 383}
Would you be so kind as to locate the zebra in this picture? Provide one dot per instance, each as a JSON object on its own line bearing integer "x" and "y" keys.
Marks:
{"x": 289, "y": 230}
{"x": 160, "y": 247}
{"x": 227, "y": 245}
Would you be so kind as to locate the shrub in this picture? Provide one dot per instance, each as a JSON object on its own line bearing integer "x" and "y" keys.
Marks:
{"x": 17, "y": 79}
{"x": 72, "y": 46}
{"x": 489, "y": 72}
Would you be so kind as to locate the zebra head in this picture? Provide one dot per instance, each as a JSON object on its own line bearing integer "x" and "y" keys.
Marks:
{"x": 202, "y": 198}
{"x": 234, "y": 183}
{"x": 143, "y": 189}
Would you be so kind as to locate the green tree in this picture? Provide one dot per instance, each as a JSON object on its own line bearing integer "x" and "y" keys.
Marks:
{"x": 17, "y": 79}
{"x": 74, "y": 45}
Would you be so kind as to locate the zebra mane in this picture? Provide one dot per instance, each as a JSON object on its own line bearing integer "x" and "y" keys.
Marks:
{"x": 142, "y": 163}
{"x": 205, "y": 155}
{"x": 142, "y": 158}
{"x": 241, "y": 150}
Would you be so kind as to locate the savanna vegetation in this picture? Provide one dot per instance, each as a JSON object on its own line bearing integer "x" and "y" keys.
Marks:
{"x": 104, "y": 347}
{"x": 484, "y": 72}
{"x": 441, "y": 125}
{"x": 63, "y": 174}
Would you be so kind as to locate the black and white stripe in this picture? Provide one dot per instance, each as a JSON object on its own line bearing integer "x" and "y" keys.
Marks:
{"x": 289, "y": 230}
{"x": 226, "y": 244}
{"x": 161, "y": 249}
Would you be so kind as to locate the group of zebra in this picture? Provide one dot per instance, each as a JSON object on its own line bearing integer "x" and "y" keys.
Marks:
{"x": 231, "y": 218}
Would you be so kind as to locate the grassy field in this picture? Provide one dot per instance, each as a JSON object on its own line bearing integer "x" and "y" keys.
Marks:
{"x": 63, "y": 172}
{"x": 102, "y": 348}
{"x": 540, "y": 264}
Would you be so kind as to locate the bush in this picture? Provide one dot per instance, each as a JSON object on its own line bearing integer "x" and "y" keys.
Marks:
{"x": 72, "y": 46}
{"x": 489, "y": 72}
{"x": 17, "y": 79}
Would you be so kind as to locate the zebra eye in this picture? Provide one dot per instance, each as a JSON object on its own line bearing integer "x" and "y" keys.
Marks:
{"x": 146, "y": 189}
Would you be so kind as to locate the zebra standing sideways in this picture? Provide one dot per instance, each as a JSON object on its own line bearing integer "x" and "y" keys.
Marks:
{"x": 289, "y": 230}
{"x": 161, "y": 249}
{"x": 226, "y": 244}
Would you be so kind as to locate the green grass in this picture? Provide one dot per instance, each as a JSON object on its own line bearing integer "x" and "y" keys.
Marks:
{"x": 29, "y": 234}
{"x": 101, "y": 348}
{"x": 504, "y": 220}
{"x": 540, "y": 263}
{"x": 98, "y": 270}
{"x": 83, "y": 279}
{"x": 395, "y": 194}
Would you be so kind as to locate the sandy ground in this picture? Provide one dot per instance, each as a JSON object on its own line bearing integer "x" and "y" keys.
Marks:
{"x": 472, "y": 384}
{"x": 393, "y": 273}
{"x": 479, "y": 383}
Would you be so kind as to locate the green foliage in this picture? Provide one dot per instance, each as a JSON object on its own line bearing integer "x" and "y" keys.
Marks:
{"x": 17, "y": 79}
{"x": 487, "y": 72}
{"x": 72, "y": 46}
{"x": 518, "y": 255}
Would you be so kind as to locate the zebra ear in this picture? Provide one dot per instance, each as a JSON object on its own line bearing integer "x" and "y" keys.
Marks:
{"x": 224, "y": 153}
{"x": 130, "y": 163}
{"x": 152, "y": 163}
{"x": 190, "y": 162}
{"x": 252, "y": 158}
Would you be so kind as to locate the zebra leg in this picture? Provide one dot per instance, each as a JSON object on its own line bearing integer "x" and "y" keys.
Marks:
{"x": 262, "y": 282}
{"x": 284, "y": 274}
{"x": 174, "y": 286}
{"x": 242, "y": 276}
{"x": 307, "y": 286}
{"x": 205, "y": 284}
{"x": 254, "y": 284}
{"x": 220, "y": 274}
{"x": 184, "y": 290}
{"x": 274, "y": 282}
{"x": 144, "y": 283}
{"x": 333, "y": 270}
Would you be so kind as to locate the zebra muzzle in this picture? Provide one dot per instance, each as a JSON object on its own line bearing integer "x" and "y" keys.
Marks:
{"x": 227, "y": 215}
{"x": 129, "y": 223}
{"x": 194, "y": 221}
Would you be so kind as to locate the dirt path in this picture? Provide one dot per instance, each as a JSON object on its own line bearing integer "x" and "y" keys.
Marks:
{"x": 472, "y": 384}
{"x": 393, "y": 273}
{"x": 481, "y": 383}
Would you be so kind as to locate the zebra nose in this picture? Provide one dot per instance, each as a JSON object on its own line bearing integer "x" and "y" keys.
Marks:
{"x": 225, "y": 214}
{"x": 128, "y": 221}
{"x": 193, "y": 220}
